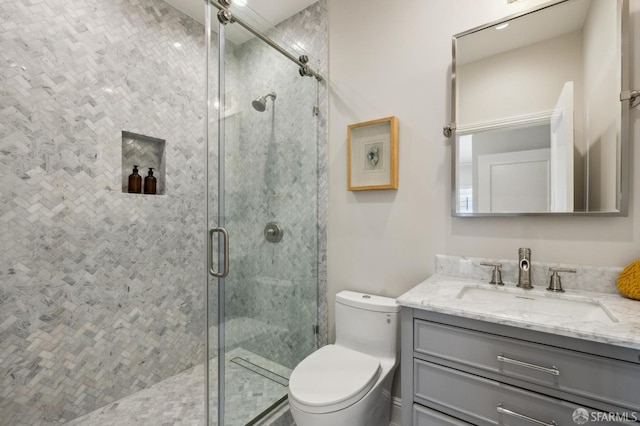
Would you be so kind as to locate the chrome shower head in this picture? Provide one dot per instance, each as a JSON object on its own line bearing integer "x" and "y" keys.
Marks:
{"x": 260, "y": 103}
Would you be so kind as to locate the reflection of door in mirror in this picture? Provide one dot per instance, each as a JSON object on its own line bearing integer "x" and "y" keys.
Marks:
{"x": 514, "y": 182}
{"x": 493, "y": 169}
{"x": 561, "y": 167}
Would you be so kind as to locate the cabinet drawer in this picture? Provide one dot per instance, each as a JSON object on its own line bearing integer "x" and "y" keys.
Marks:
{"x": 486, "y": 402}
{"x": 423, "y": 416}
{"x": 603, "y": 379}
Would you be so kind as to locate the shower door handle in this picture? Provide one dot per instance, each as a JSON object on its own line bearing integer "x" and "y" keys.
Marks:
{"x": 225, "y": 240}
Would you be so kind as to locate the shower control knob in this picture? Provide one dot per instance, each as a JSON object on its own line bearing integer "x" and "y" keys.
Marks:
{"x": 273, "y": 232}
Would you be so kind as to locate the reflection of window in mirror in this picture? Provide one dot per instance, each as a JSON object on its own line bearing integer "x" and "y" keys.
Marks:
{"x": 465, "y": 174}
{"x": 556, "y": 70}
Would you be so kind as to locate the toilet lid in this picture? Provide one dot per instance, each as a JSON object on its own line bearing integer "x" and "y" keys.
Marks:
{"x": 333, "y": 378}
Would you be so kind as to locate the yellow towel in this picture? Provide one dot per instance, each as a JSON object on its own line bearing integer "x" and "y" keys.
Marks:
{"x": 629, "y": 281}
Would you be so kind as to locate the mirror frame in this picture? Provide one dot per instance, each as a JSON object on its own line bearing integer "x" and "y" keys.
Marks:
{"x": 450, "y": 130}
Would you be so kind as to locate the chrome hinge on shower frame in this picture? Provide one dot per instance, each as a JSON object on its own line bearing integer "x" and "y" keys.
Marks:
{"x": 316, "y": 329}
{"x": 316, "y": 111}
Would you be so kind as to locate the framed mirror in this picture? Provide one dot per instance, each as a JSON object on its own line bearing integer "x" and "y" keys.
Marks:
{"x": 540, "y": 119}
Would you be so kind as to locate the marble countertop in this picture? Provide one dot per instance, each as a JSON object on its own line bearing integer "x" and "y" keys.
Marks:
{"x": 440, "y": 293}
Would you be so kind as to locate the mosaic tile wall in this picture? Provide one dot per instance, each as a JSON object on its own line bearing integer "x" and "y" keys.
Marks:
{"x": 310, "y": 29}
{"x": 274, "y": 156}
{"x": 101, "y": 291}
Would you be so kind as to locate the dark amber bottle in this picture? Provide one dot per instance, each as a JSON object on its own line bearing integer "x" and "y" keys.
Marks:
{"x": 135, "y": 181}
{"x": 150, "y": 183}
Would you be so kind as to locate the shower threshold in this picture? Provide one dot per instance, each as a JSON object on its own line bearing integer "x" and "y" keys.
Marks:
{"x": 254, "y": 386}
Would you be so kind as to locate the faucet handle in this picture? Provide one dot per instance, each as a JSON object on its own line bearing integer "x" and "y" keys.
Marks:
{"x": 555, "y": 283}
{"x": 496, "y": 275}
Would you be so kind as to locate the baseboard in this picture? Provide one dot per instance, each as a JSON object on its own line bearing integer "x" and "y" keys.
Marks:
{"x": 396, "y": 411}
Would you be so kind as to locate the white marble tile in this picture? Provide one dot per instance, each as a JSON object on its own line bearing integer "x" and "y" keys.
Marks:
{"x": 179, "y": 400}
{"x": 440, "y": 293}
{"x": 90, "y": 273}
{"x": 589, "y": 278}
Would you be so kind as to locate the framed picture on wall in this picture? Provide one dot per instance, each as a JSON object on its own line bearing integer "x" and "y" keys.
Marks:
{"x": 372, "y": 155}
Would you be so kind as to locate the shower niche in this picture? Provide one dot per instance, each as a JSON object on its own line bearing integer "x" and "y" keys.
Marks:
{"x": 145, "y": 153}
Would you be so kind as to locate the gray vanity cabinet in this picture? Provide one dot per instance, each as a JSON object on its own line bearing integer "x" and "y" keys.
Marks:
{"x": 458, "y": 371}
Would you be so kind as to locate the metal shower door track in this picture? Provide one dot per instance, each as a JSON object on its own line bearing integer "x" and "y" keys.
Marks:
{"x": 301, "y": 61}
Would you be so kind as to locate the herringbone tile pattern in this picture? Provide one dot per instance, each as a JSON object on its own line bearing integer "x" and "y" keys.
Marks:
{"x": 101, "y": 292}
{"x": 179, "y": 400}
{"x": 273, "y": 164}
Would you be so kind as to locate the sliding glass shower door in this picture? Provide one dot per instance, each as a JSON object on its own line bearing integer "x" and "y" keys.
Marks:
{"x": 262, "y": 202}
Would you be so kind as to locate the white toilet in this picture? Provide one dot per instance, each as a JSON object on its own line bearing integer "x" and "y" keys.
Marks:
{"x": 349, "y": 383}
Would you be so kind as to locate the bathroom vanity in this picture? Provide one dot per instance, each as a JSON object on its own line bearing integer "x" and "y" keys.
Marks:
{"x": 480, "y": 354}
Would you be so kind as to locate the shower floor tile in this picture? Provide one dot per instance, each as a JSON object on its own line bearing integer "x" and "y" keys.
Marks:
{"x": 254, "y": 382}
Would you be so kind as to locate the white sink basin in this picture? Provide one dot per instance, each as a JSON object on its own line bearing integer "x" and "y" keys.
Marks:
{"x": 525, "y": 301}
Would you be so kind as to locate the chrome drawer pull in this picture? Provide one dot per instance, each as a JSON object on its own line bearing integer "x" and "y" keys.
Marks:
{"x": 503, "y": 410}
{"x": 553, "y": 370}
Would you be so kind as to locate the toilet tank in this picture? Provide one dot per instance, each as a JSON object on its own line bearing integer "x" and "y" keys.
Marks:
{"x": 368, "y": 323}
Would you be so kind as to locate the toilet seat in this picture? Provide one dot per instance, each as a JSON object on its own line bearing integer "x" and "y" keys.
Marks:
{"x": 332, "y": 378}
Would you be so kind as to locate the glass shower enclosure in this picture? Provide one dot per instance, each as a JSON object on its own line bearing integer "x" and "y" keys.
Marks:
{"x": 109, "y": 307}
{"x": 262, "y": 134}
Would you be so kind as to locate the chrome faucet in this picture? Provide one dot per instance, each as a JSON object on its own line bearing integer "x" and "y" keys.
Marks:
{"x": 496, "y": 275}
{"x": 555, "y": 284}
{"x": 524, "y": 268}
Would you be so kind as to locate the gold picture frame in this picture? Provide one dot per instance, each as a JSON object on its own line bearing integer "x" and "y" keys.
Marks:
{"x": 372, "y": 155}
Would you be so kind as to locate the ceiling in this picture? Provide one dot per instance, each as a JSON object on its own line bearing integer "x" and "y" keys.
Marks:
{"x": 524, "y": 30}
{"x": 260, "y": 14}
